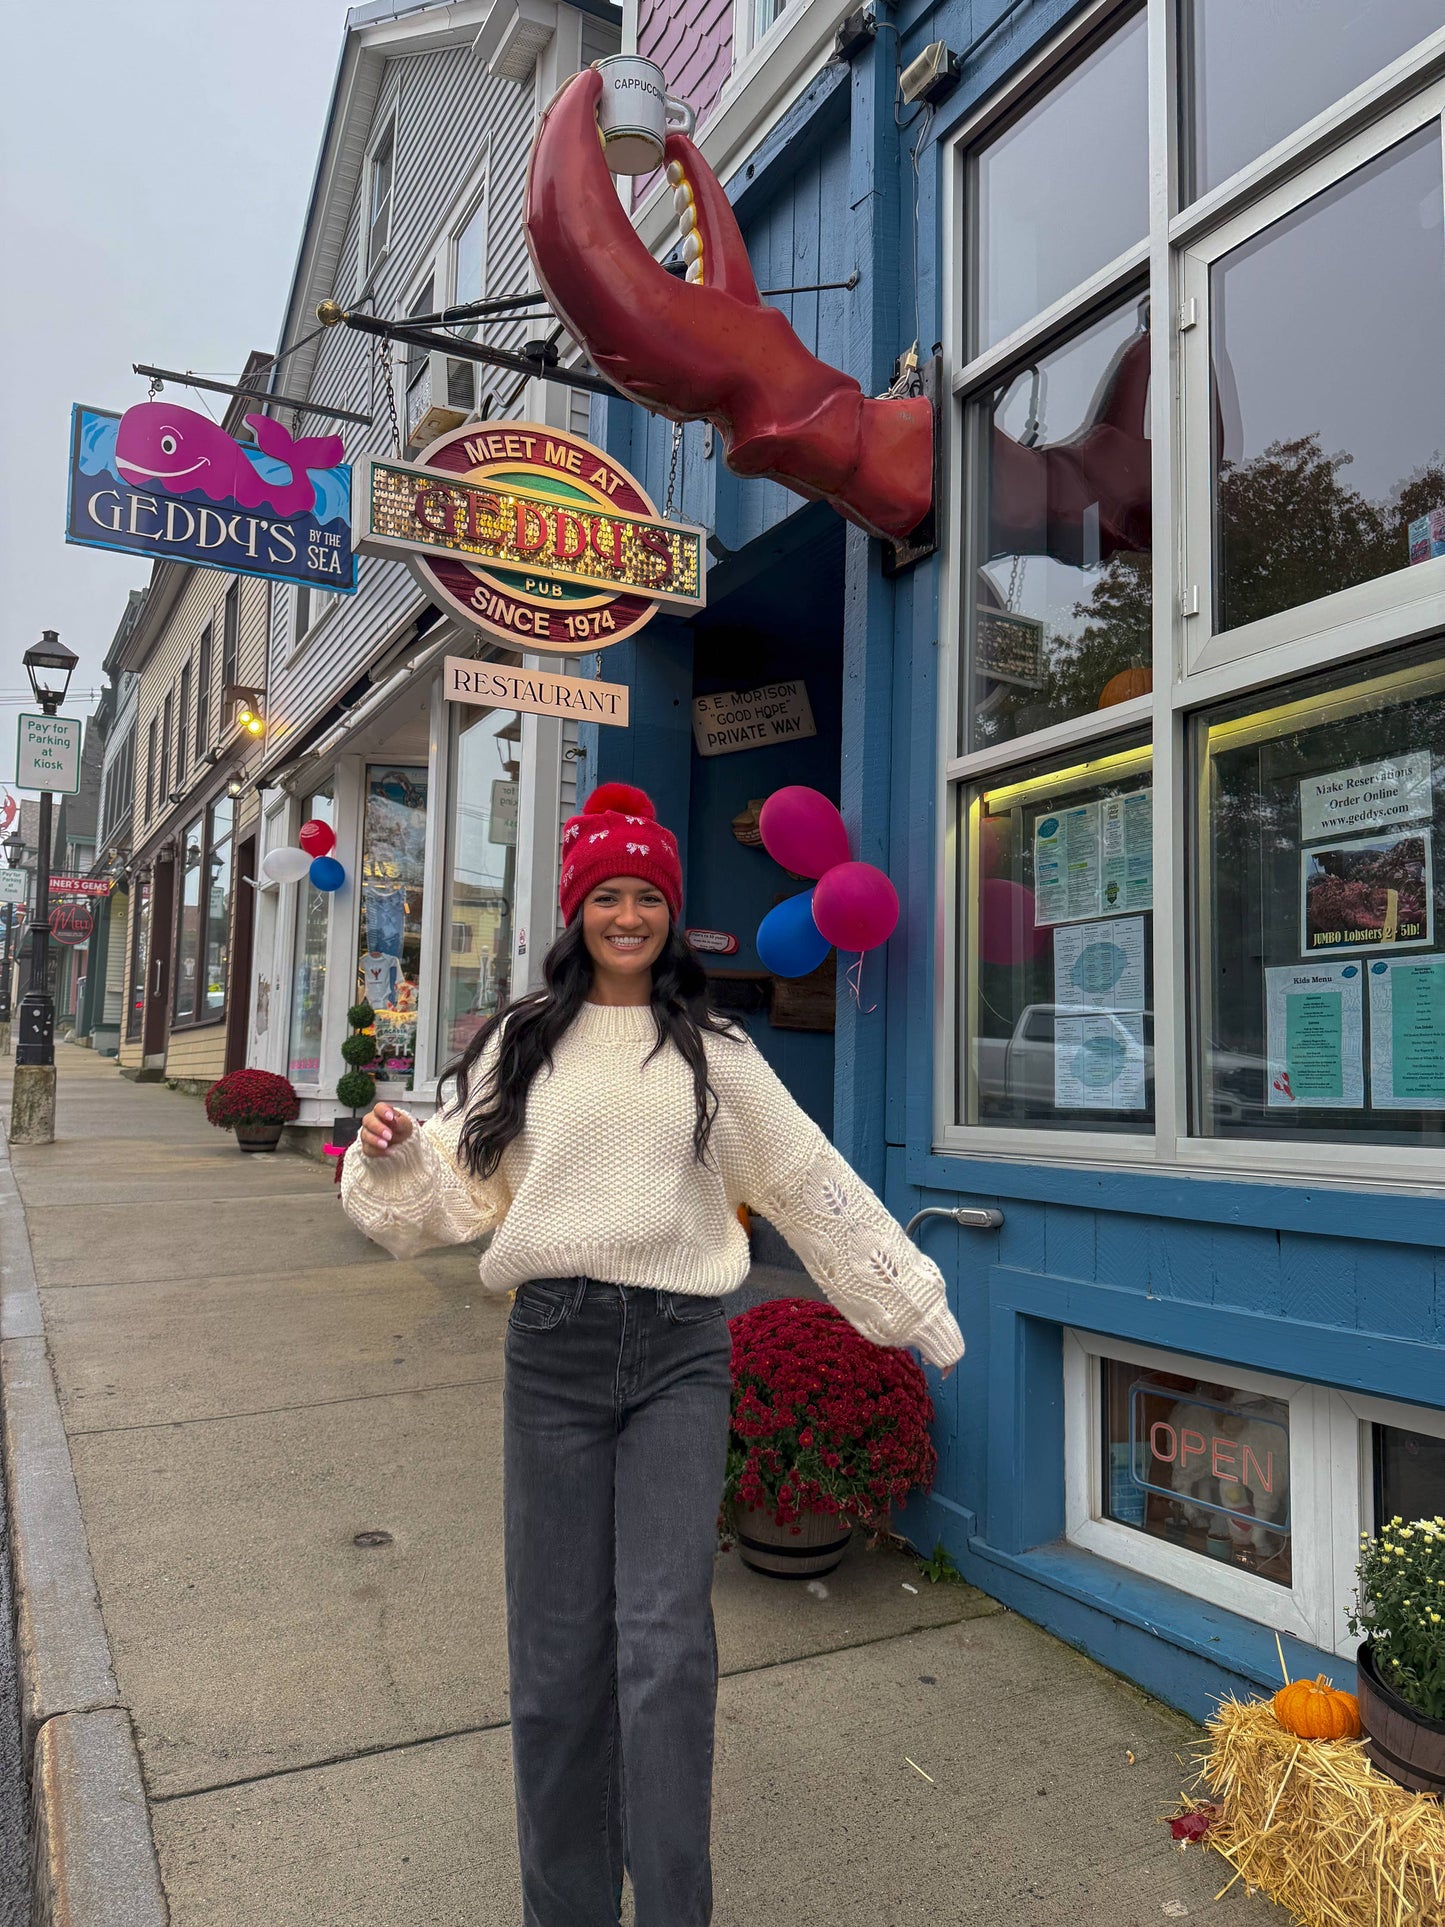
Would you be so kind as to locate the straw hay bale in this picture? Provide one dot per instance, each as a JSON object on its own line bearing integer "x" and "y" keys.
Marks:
{"x": 1319, "y": 1828}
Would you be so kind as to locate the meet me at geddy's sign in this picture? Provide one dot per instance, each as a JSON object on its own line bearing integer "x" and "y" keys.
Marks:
{"x": 163, "y": 481}
{"x": 532, "y": 535}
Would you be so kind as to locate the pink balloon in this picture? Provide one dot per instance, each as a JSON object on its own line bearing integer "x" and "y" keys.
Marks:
{"x": 855, "y": 906}
{"x": 803, "y": 831}
{"x": 1007, "y": 933}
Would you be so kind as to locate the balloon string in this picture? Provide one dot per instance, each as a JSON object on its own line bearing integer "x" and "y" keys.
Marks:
{"x": 855, "y": 984}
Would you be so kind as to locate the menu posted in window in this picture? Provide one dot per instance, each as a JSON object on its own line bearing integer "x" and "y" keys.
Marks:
{"x": 1407, "y": 1034}
{"x": 1315, "y": 1026}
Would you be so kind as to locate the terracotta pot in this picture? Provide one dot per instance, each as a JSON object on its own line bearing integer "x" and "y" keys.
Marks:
{"x": 776, "y": 1550}
{"x": 259, "y": 1137}
{"x": 1404, "y": 1744}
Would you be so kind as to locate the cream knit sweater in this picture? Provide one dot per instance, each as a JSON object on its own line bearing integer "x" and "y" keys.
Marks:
{"x": 603, "y": 1182}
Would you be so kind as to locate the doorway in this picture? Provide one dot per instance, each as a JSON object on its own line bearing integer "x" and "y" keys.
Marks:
{"x": 156, "y": 1026}
{"x": 238, "y": 968}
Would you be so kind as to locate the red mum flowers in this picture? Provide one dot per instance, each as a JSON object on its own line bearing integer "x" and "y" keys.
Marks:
{"x": 251, "y": 1097}
{"x": 823, "y": 1420}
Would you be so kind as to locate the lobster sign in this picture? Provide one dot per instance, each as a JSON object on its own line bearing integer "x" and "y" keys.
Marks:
{"x": 707, "y": 348}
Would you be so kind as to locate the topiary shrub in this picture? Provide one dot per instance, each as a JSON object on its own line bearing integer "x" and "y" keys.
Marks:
{"x": 356, "y": 1089}
{"x": 356, "y": 1086}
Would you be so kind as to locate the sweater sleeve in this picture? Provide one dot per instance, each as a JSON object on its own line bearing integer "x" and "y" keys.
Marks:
{"x": 418, "y": 1196}
{"x": 775, "y": 1159}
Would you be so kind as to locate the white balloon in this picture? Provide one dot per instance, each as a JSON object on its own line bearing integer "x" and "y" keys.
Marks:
{"x": 285, "y": 866}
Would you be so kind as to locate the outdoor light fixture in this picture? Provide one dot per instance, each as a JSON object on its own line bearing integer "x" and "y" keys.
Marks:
{"x": 14, "y": 847}
{"x": 249, "y": 714}
{"x": 935, "y": 73}
{"x": 50, "y": 665}
{"x": 234, "y": 787}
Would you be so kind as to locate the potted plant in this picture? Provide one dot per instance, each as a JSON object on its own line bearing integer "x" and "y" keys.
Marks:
{"x": 1400, "y": 1615}
{"x": 255, "y": 1105}
{"x": 356, "y": 1086}
{"x": 828, "y": 1430}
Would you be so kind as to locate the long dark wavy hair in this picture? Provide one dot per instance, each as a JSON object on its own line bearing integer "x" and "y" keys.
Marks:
{"x": 532, "y": 1026}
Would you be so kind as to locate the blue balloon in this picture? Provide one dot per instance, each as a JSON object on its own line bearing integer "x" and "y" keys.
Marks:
{"x": 789, "y": 943}
{"x": 326, "y": 873}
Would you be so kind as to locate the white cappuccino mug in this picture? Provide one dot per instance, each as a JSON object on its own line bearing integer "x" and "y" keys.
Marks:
{"x": 635, "y": 113}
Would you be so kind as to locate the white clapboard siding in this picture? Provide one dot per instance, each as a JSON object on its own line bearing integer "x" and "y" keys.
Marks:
{"x": 448, "y": 109}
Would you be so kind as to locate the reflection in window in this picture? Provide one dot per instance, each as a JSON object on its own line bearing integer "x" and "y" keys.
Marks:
{"x": 1409, "y": 1474}
{"x": 1323, "y": 326}
{"x": 188, "y": 935}
{"x": 308, "y": 995}
{"x": 388, "y": 966}
{"x": 139, "y": 959}
{"x": 1253, "y": 83}
{"x": 1060, "y": 969}
{"x": 481, "y": 877}
{"x": 1322, "y": 1005}
{"x": 1063, "y": 190}
{"x": 1199, "y": 1465}
{"x": 1062, "y": 598}
{"x": 217, "y": 908}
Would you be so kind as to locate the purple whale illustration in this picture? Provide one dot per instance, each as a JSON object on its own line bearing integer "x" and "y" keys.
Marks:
{"x": 182, "y": 450}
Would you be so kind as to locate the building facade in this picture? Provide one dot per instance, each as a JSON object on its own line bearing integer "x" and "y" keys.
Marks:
{"x": 1150, "y": 745}
{"x": 446, "y": 817}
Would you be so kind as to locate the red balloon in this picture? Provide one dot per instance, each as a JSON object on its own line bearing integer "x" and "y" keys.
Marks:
{"x": 855, "y": 906}
{"x": 317, "y": 838}
{"x": 803, "y": 831}
{"x": 1007, "y": 933}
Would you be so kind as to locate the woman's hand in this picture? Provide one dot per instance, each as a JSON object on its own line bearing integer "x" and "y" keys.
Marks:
{"x": 383, "y": 1129}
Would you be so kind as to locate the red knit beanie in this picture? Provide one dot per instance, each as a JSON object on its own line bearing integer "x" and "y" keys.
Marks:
{"x": 617, "y": 835}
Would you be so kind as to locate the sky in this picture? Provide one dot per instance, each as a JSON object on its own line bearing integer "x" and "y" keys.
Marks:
{"x": 156, "y": 159}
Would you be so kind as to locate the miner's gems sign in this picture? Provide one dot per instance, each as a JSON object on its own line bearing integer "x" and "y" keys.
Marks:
{"x": 532, "y": 535}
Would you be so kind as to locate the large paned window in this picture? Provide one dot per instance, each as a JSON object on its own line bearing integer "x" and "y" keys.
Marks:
{"x": 230, "y": 637}
{"x": 1322, "y": 979}
{"x": 1262, "y": 68}
{"x": 216, "y": 947}
{"x": 183, "y": 718}
{"x": 135, "y": 1003}
{"x": 480, "y": 877}
{"x": 188, "y": 923}
{"x": 1199, "y": 553}
{"x": 1063, "y": 189}
{"x": 378, "y": 194}
{"x": 388, "y": 964}
{"x": 203, "y": 692}
{"x": 168, "y": 709}
{"x": 1060, "y": 1031}
{"x": 313, "y": 929}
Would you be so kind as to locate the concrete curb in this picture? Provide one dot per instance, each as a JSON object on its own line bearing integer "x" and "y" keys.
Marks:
{"x": 93, "y": 1862}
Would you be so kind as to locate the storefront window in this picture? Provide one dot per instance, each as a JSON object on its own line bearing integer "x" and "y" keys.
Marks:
{"x": 1320, "y": 327}
{"x": 388, "y": 966}
{"x": 1262, "y": 68}
{"x": 139, "y": 961}
{"x": 188, "y": 933}
{"x": 218, "y": 907}
{"x": 308, "y": 996}
{"x": 1200, "y": 1465}
{"x": 1061, "y": 617}
{"x": 1060, "y": 967}
{"x": 1322, "y": 1007}
{"x": 1063, "y": 190}
{"x": 481, "y": 877}
{"x": 1409, "y": 1474}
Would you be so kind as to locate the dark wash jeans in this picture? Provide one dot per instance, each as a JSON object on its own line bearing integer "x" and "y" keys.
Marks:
{"x": 615, "y": 1444}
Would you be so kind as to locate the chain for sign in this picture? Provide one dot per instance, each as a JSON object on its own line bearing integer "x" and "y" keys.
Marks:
{"x": 672, "y": 470}
{"x": 388, "y": 382}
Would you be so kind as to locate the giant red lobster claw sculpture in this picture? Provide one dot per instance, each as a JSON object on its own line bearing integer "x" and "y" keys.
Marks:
{"x": 707, "y": 349}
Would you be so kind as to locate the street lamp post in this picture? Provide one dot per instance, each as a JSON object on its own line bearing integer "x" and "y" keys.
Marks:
{"x": 49, "y": 665}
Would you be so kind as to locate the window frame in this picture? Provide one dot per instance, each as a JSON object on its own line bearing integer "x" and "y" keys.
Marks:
{"x": 1367, "y": 121}
{"x": 205, "y": 663}
{"x": 231, "y": 633}
{"x": 1327, "y": 1467}
{"x": 374, "y": 254}
{"x": 183, "y": 703}
{"x": 200, "y": 1018}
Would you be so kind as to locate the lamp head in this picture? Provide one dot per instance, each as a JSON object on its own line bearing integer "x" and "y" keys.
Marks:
{"x": 50, "y": 665}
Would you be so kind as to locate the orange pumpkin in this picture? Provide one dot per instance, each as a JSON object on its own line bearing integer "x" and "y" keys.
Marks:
{"x": 1314, "y": 1710}
{"x": 1125, "y": 686}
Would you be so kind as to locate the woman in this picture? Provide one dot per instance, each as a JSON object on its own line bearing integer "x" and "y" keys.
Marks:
{"x": 606, "y": 1129}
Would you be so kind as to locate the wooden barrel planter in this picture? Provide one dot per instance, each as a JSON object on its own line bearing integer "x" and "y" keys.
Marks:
{"x": 817, "y": 1547}
{"x": 1403, "y": 1744}
{"x": 259, "y": 1137}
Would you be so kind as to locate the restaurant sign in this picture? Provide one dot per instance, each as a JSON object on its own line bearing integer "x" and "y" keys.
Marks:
{"x": 66, "y": 885}
{"x": 165, "y": 482}
{"x": 532, "y": 535}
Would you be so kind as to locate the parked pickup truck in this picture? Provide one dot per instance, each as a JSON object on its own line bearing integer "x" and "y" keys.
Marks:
{"x": 1016, "y": 1073}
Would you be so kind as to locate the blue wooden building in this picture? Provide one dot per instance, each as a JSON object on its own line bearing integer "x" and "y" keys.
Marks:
{"x": 1153, "y": 746}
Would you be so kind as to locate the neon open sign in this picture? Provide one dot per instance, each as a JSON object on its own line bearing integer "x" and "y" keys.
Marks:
{"x": 1242, "y": 1450}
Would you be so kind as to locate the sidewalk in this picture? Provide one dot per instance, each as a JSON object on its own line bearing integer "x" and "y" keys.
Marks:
{"x": 247, "y": 1387}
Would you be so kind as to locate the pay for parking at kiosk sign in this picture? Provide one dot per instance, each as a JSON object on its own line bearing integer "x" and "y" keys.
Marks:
{"x": 48, "y": 753}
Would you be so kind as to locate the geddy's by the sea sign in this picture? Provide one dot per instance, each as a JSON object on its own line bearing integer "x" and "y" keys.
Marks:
{"x": 161, "y": 480}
